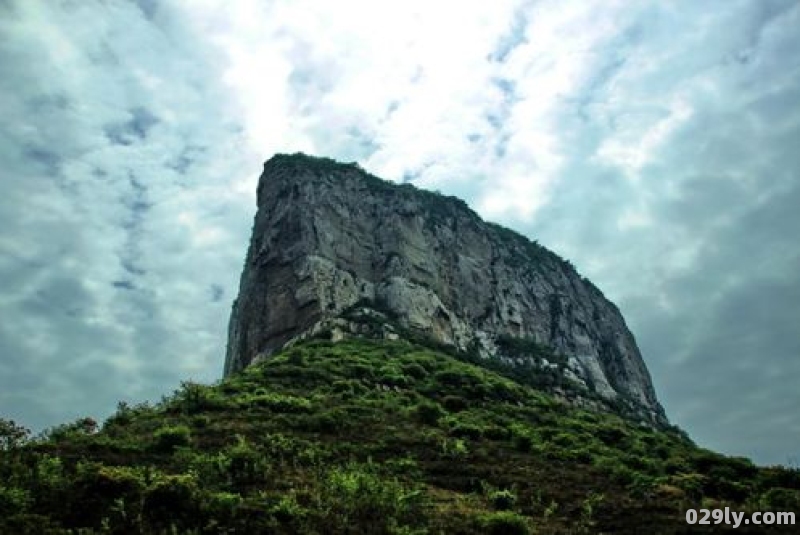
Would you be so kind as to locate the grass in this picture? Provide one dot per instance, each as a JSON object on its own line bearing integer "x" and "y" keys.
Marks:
{"x": 369, "y": 437}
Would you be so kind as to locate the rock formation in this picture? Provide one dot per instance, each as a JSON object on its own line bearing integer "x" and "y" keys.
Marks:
{"x": 336, "y": 251}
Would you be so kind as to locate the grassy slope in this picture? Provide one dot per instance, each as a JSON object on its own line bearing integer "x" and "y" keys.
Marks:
{"x": 371, "y": 437}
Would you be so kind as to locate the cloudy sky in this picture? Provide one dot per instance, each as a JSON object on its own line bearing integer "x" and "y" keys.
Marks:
{"x": 654, "y": 144}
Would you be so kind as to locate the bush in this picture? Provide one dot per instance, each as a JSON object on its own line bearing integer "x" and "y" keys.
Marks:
{"x": 414, "y": 370}
{"x": 503, "y": 391}
{"x": 295, "y": 357}
{"x": 781, "y": 499}
{"x": 494, "y": 432}
{"x": 277, "y": 402}
{"x": 451, "y": 378}
{"x": 287, "y": 510}
{"x": 168, "y": 438}
{"x": 245, "y": 463}
{"x": 221, "y": 507}
{"x": 394, "y": 379}
{"x": 171, "y": 499}
{"x": 614, "y": 468}
{"x": 466, "y": 430}
{"x": 200, "y": 421}
{"x": 611, "y": 436}
{"x": 13, "y": 501}
{"x": 428, "y": 412}
{"x": 126, "y": 414}
{"x": 455, "y": 448}
{"x": 348, "y": 387}
{"x": 455, "y": 403}
{"x": 522, "y": 438}
{"x": 12, "y": 435}
{"x": 692, "y": 484}
{"x": 330, "y": 421}
{"x": 503, "y": 500}
{"x": 78, "y": 428}
{"x": 505, "y": 523}
{"x": 356, "y": 496}
{"x": 194, "y": 397}
{"x": 106, "y": 492}
{"x": 777, "y": 476}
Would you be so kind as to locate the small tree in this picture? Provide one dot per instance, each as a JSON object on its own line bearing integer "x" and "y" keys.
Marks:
{"x": 12, "y": 435}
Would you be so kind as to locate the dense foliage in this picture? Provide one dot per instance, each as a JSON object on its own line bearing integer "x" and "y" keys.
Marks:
{"x": 368, "y": 437}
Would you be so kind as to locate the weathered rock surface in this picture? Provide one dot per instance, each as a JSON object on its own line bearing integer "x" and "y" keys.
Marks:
{"x": 329, "y": 239}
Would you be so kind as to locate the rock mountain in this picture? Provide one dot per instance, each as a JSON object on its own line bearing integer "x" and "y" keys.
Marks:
{"x": 337, "y": 252}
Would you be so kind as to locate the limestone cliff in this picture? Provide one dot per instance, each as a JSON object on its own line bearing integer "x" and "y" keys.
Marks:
{"x": 336, "y": 251}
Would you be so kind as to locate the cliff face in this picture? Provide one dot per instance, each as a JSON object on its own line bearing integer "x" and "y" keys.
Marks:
{"x": 335, "y": 251}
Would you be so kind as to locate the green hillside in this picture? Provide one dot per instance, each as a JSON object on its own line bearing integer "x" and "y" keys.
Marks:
{"x": 369, "y": 437}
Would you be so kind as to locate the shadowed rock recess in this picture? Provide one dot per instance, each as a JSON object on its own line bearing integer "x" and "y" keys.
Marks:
{"x": 336, "y": 252}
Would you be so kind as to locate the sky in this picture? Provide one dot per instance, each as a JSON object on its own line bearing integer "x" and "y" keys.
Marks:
{"x": 656, "y": 145}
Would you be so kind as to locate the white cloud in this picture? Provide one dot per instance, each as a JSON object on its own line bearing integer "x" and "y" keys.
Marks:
{"x": 647, "y": 142}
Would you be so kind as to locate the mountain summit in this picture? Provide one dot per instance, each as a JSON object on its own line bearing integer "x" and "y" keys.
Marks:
{"x": 336, "y": 252}
{"x": 349, "y": 407}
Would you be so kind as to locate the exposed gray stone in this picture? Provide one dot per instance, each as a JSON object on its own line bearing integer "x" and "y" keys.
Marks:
{"x": 328, "y": 237}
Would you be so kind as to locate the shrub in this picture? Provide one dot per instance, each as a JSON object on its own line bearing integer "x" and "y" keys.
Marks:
{"x": 171, "y": 499}
{"x": 13, "y": 501}
{"x": 126, "y": 414}
{"x": 565, "y": 440}
{"x": 194, "y": 397}
{"x": 503, "y": 500}
{"x": 781, "y": 499}
{"x": 611, "y": 436}
{"x": 245, "y": 463}
{"x": 676, "y": 465}
{"x": 777, "y": 476}
{"x": 49, "y": 475}
{"x": 454, "y": 403}
{"x": 295, "y": 357}
{"x": 505, "y": 523}
{"x": 414, "y": 370}
{"x": 428, "y": 412}
{"x": 589, "y": 509}
{"x": 200, "y": 421}
{"x": 614, "y": 467}
{"x": 395, "y": 379}
{"x": 522, "y": 438}
{"x": 330, "y": 421}
{"x": 455, "y": 448}
{"x": 356, "y": 496}
{"x": 362, "y": 371}
{"x": 466, "y": 430}
{"x": 106, "y": 492}
{"x": 734, "y": 469}
{"x": 500, "y": 390}
{"x": 168, "y": 438}
{"x": 348, "y": 387}
{"x": 12, "y": 435}
{"x": 277, "y": 402}
{"x": 495, "y": 432}
{"x": 287, "y": 510}
{"x": 221, "y": 507}
{"x": 78, "y": 428}
{"x": 451, "y": 378}
{"x": 692, "y": 484}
